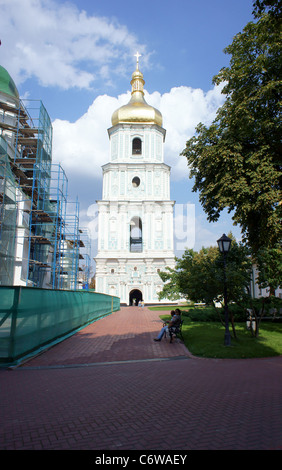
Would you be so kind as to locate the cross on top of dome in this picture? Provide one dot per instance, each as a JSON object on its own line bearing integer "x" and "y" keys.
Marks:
{"x": 137, "y": 55}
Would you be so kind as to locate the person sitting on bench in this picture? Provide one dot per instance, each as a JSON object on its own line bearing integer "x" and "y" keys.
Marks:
{"x": 174, "y": 321}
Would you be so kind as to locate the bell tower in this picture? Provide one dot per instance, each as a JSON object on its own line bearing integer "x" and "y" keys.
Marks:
{"x": 135, "y": 214}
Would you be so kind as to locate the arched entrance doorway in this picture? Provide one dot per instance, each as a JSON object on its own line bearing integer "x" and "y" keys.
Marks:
{"x": 135, "y": 296}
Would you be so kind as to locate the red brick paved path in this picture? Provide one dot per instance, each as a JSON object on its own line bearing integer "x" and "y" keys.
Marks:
{"x": 123, "y": 336}
{"x": 110, "y": 386}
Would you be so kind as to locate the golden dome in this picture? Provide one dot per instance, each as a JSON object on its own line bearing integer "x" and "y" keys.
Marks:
{"x": 137, "y": 110}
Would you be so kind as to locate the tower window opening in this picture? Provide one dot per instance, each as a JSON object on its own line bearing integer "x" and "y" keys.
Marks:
{"x": 136, "y": 242}
{"x": 135, "y": 182}
{"x": 136, "y": 146}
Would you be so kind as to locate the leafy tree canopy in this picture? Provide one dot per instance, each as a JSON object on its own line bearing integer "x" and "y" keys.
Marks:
{"x": 269, "y": 264}
{"x": 273, "y": 7}
{"x": 199, "y": 276}
{"x": 236, "y": 161}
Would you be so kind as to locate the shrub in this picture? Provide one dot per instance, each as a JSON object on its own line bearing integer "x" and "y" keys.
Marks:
{"x": 212, "y": 314}
{"x": 202, "y": 314}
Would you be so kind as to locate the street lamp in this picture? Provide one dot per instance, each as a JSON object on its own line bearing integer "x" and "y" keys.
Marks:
{"x": 224, "y": 244}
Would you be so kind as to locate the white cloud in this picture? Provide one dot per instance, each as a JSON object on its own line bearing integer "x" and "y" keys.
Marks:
{"x": 61, "y": 45}
{"x": 82, "y": 147}
{"x": 182, "y": 109}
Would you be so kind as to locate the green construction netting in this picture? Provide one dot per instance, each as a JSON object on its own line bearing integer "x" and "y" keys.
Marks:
{"x": 31, "y": 318}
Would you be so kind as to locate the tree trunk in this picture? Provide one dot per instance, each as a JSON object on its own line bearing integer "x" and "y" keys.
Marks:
{"x": 233, "y": 325}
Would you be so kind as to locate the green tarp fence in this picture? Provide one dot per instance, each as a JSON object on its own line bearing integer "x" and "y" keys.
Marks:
{"x": 32, "y": 318}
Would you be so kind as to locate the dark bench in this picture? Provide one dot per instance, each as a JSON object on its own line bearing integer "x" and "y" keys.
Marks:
{"x": 176, "y": 331}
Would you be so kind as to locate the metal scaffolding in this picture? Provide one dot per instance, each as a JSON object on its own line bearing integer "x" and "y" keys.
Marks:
{"x": 85, "y": 259}
{"x": 34, "y": 203}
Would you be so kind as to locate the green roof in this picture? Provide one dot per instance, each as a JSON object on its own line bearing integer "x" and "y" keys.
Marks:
{"x": 7, "y": 84}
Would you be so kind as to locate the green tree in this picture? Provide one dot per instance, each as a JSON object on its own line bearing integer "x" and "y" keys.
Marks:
{"x": 171, "y": 289}
{"x": 236, "y": 161}
{"x": 274, "y": 7}
{"x": 269, "y": 263}
{"x": 199, "y": 276}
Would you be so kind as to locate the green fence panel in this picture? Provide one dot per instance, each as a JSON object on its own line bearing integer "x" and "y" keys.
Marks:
{"x": 31, "y": 318}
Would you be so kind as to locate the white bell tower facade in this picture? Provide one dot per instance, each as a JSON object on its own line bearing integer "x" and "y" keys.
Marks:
{"x": 135, "y": 215}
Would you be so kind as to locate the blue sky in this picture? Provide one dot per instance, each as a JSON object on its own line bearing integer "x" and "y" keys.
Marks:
{"x": 78, "y": 57}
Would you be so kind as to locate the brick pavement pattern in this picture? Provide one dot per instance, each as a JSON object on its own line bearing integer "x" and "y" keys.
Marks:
{"x": 110, "y": 387}
{"x": 124, "y": 335}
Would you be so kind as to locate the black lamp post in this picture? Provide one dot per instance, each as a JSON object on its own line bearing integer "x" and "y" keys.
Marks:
{"x": 224, "y": 244}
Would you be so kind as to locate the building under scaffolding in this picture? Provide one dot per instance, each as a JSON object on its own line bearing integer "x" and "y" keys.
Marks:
{"x": 41, "y": 243}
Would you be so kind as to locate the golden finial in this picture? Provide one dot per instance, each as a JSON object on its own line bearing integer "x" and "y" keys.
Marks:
{"x": 137, "y": 110}
{"x": 137, "y": 81}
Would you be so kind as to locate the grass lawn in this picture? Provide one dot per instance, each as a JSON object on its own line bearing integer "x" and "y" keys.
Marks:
{"x": 206, "y": 339}
{"x": 169, "y": 307}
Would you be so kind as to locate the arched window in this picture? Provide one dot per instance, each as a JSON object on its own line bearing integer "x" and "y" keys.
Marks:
{"x": 136, "y": 146}
{"x": 136, "y": 244}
